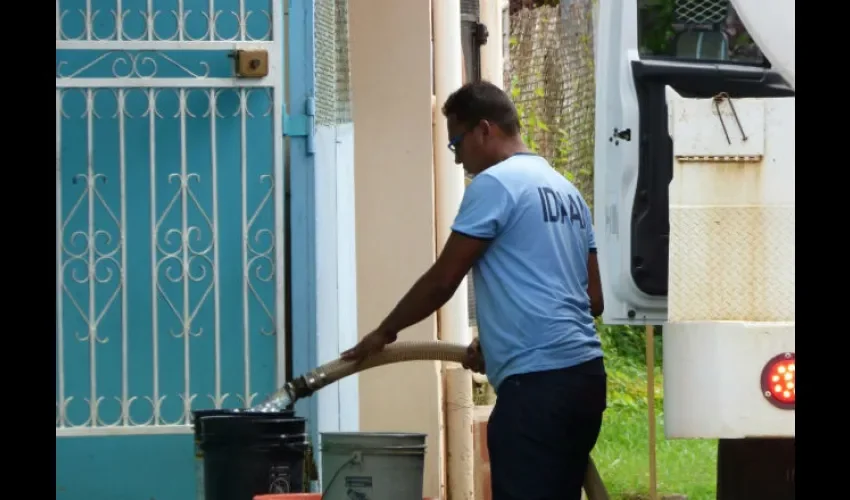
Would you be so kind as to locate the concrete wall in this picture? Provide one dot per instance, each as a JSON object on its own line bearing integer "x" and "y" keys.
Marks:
{"x": 393, "y": 175}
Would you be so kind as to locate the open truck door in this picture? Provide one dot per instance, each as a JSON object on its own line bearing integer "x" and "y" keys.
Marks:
{"x": 709, "y": 54}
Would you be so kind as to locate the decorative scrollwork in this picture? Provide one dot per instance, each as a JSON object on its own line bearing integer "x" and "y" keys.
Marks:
{"x": 156, "y": 25}
{"x": 124, "y": 416}
{"x": 260, "y": 245}
{"x": 126, "y": 64}
{"x": 90, "y": 256}
{"x": 247, "y": 401}
{"x": 218, "y": 401}
{"x": 181, "y": 262}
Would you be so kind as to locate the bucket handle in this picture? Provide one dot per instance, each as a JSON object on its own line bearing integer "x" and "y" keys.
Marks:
{"x": 419, "y": 447}
{"x": 354, "y": 459}
{"x": 392, "y": 450}
{"x": 291, "y": 447}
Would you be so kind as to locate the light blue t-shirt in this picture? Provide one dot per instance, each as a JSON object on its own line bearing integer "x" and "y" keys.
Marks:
{"x": 531, "y": 284}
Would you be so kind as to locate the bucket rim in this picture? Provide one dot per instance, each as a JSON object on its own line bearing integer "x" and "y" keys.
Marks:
{"x": 215, "y": 412}
{"x": 293, "y": 438}
{"x": 229, "y": 424}
{"x": 263, "y": 429}
{"x": 374, "y": 434}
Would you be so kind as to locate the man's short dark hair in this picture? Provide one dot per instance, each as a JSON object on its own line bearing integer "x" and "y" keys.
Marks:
{"x": 482, "y": 100}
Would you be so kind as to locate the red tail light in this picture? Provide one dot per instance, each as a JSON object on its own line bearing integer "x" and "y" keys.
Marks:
{"x": 779, "y": 381}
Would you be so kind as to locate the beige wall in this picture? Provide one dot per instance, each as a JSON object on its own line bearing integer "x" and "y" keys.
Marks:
{"x": 391, "y": 82}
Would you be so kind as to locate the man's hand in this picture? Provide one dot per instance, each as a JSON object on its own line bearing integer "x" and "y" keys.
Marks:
{"x": 474, "y": 359}
{"x": 371, "y": 344}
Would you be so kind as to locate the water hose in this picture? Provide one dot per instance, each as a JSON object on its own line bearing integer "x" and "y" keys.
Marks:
{"x": 328, "y": 373}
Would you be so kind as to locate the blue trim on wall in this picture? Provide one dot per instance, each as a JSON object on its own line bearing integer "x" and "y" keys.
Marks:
{"x": 301, "y": 53}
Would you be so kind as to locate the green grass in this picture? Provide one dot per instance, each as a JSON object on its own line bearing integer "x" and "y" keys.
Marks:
{"x": 685, "y": 467}
{"x": 622, "y": 457}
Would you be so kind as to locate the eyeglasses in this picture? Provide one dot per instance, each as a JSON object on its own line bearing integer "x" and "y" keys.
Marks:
{"x": 454, "y": 144}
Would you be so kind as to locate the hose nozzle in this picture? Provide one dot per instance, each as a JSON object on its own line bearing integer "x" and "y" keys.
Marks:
{"x": 302, "y": 387}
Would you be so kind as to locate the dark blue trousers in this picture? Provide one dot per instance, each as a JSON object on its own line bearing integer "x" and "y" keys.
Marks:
{"x": 542, "y": 430}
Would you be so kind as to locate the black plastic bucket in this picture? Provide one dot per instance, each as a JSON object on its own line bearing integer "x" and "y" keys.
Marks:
{"x": 241, "y": 454}
{"x": 198, "y": 418}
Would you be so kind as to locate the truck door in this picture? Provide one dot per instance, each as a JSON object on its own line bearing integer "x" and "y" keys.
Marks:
{"x": 699, "y": 48}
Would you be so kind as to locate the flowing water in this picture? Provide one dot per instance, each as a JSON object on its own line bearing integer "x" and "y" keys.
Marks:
{"x": 277, "y": 403}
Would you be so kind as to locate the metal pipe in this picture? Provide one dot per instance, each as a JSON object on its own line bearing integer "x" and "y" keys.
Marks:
{"x": 448, "y": 178}
{"x": 492, "y": 53}
{"x": 453, "y": 317}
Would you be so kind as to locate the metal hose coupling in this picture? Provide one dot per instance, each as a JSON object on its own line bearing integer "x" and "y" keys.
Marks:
{"x": 302, "y": 387}
{"x": 305, "y": 385}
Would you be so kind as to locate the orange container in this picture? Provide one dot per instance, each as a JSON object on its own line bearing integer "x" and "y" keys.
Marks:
{"x": 296, "y": 496}
{"x": 290, "y": 496}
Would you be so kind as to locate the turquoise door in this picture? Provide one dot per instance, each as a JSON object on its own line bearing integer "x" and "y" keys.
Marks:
{"x": 169, "y": 234}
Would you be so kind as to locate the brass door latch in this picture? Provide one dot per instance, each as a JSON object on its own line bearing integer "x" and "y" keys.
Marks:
{"x": 251, "y": 63}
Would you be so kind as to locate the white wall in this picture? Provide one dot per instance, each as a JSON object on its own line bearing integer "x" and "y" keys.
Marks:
{"x": 336, "y": 288}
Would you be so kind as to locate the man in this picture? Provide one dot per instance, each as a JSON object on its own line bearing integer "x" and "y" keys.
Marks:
{"x": 526, "y": 233}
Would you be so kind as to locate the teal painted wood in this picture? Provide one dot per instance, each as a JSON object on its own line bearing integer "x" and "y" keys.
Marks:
{"x": 302, "y": 84}
{"x": 150, "y": 206}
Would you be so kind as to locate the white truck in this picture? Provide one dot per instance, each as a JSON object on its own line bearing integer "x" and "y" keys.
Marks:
{"x": 694, "y": 213}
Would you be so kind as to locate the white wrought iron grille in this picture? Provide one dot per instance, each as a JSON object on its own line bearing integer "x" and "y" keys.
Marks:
{"x": 169, "y": 196}
{"x": 164, "y": 20}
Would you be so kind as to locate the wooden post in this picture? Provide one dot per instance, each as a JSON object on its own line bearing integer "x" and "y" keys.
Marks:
{"x": 650, "y": 392}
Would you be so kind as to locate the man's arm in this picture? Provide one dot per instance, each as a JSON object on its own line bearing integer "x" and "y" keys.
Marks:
{"x": 594, "y": 285}
{"x": 483, "y": 213}
{"x": 594, "y": 280}
{"x": 438, "y": 284}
